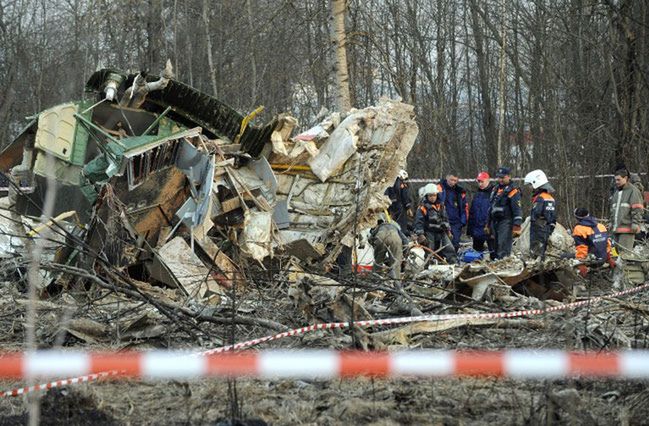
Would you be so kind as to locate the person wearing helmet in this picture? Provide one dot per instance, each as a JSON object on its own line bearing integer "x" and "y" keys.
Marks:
{"x": 543, "y": 217}
{"x": 388, "y": 242}
{"x": 431, "y": 224}
{"x": 505, "y": 215}
{"x": 401, "y": 207}
{"x": 479, "y": 214}
{"x": 454, "y": 198}
{"x": 591, "y": 238}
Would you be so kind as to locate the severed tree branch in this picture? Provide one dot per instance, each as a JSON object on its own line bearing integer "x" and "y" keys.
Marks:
{"x": 164, "y": 307}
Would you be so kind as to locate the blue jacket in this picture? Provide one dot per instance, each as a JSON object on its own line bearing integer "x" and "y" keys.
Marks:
{"x": 479, "y": 213}
{"x": 543, "y": 209}
{"x": 591, "y": 237}
{"x": 505, "y": 204}
{"x": 454, "y": 200}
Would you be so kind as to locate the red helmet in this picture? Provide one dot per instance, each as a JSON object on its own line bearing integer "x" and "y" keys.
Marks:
{"x": 482, "y": 176}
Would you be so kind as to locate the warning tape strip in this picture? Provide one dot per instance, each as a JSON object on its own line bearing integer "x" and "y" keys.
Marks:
{"x": 520, "y": 179}
{"x": 327, "y": 364}
{"x": 336, "y": 325}
{"x": 59, "y": 383}
{"x": 422, "y": 318}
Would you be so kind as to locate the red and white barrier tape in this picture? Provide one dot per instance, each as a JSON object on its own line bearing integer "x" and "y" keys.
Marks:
{"x": 59, "y": 383}
{"x": 334, "y": 325}
{"x": 326, "y": 364}
{"x": 421, "y": 318}
{"x": 519, "y": 179}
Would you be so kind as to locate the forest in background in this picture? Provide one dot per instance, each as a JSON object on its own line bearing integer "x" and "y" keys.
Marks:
{"x": 560, "y": 85}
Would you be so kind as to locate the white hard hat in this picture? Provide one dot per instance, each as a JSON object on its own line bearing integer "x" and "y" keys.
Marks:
{"x": 536, "y": 178}
{"x": 430, "y": 188}
{"x": 403, "y": 174}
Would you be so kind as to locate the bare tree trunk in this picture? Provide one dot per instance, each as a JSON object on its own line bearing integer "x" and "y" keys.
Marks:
{"x": 154, "y": 35}
{"x": 339, "y": 41}
{"x": 488, "y": 119}
{"x": 253, "y": 61}
{"x": 175, "y": 49}
{"x": 208, "y": 42}
{"x": 501, "y": 88}
{"x": 6, "y": 104}
{"x": 188, "y": 50}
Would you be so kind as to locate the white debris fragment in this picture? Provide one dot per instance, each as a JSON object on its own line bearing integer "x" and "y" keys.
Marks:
{"x": 340, "y": 146}
{"x": 255, "y": 240}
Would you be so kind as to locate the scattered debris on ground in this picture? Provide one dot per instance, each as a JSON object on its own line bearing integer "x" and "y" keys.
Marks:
{"x": 172, "y": 222}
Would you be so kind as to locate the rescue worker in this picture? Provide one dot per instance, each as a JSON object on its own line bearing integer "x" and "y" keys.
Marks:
{"x": 388, "y": 242}
{"x": 626, "y": 212}
{"x": 591, "y": 238}
{"x": 543, "y": 217}
{"x": 453, "y": 196}
{"x": 479, "y": 214}
{"x": 635, "y": 179}
{"x": 431, "y": 224}
{"x": 505, "y": 215}
{"x": 401, "y": 208}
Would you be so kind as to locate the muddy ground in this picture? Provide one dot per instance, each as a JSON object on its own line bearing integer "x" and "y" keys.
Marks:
{"x": 612, "y": 324}
{"x": 363, "y": 401}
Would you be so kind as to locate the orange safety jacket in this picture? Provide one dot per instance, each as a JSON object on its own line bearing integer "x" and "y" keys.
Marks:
{"x": 591, "y": 237}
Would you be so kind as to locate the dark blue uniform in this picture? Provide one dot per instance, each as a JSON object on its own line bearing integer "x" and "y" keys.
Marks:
{"x": 504, "y": 213}
{"x": 542, "y": 221}
{"x": 457, "y": 209}
{"x": 432, "y": 222}
{"x": 401, "y": 199}
{"x": 591, "y": 237}
{"x": 479, "y": 218}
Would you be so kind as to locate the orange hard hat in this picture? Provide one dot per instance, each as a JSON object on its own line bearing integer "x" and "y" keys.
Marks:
{"x": 482, "y": 176}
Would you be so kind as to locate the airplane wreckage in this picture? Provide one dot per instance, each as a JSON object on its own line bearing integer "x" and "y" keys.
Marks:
{"x": 174, "y": 188}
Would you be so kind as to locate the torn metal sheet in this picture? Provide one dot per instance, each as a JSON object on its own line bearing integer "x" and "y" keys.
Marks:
{"x": 338, "y": 148}
{"x": 192, "y": 162}
{"x": 197, "y": 208}
{"x": 325, "y": 212}
{"x": 280, "y": 214}
{"x": 187, "y": 270}
{"x": 265, "y": 173}
{"x": 143, "y": 162}
{"x": 512, "y": 271}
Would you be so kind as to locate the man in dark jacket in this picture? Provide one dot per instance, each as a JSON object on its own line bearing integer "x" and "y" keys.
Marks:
{"x": 626, "y": 212}
{"x": 454, "y": 198}
{"x": 479, "y": 214}
{"x": 505, "y": 215}
{"x": 431, "y": 224}
{"x": 543, "y": 217}
{"x": 401, "y": 207}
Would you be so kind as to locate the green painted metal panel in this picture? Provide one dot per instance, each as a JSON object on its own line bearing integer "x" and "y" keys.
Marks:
{"x": 81, "y": 136}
